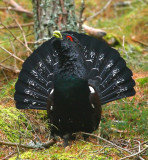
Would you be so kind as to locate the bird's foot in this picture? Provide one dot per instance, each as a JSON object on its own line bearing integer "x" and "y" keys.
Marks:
{"x": 66, "y": 138}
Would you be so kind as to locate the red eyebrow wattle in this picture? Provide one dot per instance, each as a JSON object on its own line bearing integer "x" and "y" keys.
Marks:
{"x": 70, "y": 38}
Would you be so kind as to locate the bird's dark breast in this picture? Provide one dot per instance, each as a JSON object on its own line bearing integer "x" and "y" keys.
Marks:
{"x": 71, "y": 91}
{"x": 72, "y": 111}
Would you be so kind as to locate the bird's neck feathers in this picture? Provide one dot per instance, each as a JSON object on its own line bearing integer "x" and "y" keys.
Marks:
{"x": 70, "y": 63}
{"x": 67, "y": 58}
{"x": 70, "y": 90}
{"x": 70, "y": 83}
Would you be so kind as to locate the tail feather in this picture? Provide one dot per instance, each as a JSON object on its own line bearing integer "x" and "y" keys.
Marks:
{"x": 125, "y": 94}
{"x": 33, "y": 83}
{"x": 36, "y": 64}
{"x": 35, "y": 80}
{"x": 112, "y": 74}
{"x": 31, "y": 105}
{"x": 110, "y": 63}
{"x": 22, "y": 88}
{"x": 124, "y": 76}
{"x": 107, "y": 71}
{"x": 118, "y": 90}
{"x": 29, "y": 99}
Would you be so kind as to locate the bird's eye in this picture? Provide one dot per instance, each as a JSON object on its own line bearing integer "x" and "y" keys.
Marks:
{"x": 70, "y": 38}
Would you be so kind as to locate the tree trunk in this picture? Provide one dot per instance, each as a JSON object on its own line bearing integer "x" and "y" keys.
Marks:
{"x": 50, "y": 15}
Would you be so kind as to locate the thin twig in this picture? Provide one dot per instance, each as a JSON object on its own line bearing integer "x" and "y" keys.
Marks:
{"x": 94, "y": 31}
{"x": 9, "y": 155}
{"x": 14, "y": 51}
{"x": 5, "y": 75}
{"x": 12, "y": 54}
{"x": 9, "y": 68}
{"x": 81, "y": 20}
{"x": 43, "y": 145}
{"x": 23, "y": 33}
{"x": 30, "y": 14}
{"x": 116, "y": 146}
{"x": 135, "y": 40}
{"x": 123, "y": 43}
{"x": 99, "y": 12}
{"x": 81, "y": 151}
{"x": 29, "y": 121}
{"x": 24, "y": 36}
{"x": 16, "y": 144}
{"x": 36, "y": 42}
{"x": 139, "y": 146}
{"x": 135, "y": 154}
{"x": 5, "y": 59}
{"x": 18, "y": 7}
{"x": 16, "y": 26}
{"x": 14, "y": 35}
{"x": 111, "y": 143}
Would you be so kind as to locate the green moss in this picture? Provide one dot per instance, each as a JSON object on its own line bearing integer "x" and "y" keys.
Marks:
{"x": 131, "y": 25}
{"x": 143, "y": 82}
{"x": 80, "y": 151}
{"x": 11, "y": 122}
{"x": 113, "y": 39}
{"x": 8, "y": 89}
{"x": 130, "y": 119}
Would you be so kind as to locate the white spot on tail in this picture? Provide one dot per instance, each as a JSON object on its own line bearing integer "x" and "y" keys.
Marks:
{"x": 92, "y": 106}
{"x": 51, "y": 91}
{"x": 26, "y": 100}
{"x": 89, "y": 60}
{"x": 91, "y": 89}
{"x": 33, "y": 103}
{"x": 92, "y": 54}
{"x": 51, "y": 108}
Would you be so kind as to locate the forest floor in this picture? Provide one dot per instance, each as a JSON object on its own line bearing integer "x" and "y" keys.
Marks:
{"x": 124, "y": 123}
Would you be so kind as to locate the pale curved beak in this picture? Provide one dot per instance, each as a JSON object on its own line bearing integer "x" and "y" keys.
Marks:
{"x": 57, "y": 34}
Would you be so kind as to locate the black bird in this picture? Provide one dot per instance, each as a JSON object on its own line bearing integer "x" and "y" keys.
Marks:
{"x": 71, "y": 76}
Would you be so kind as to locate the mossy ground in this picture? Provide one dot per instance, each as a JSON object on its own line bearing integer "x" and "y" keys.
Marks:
{"x": 124, "y": 122}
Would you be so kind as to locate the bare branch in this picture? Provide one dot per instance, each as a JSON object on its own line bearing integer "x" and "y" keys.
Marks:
{"x": 122, "y": 4}
{"x": 9, "y": 155}
{"x": 15, "y": 37}
{"x": 43, "y": 145}
{"x": 36, "y": 42}
{"x": 5, "y": 75}
{"x": 98, "y": 33}
{"x": 135, "y": 154}
{"x": 123, "y": 45}
{"x": 5, "y": 59}
{"x": 24, "y": 36}
{"x": 8, "y": 68}
{"x": 135, "y": 40}
{"x": 116, "y": 146}
{"x": 30, "y": 14}
{"x": 16, "y": 26}
{"x": 111, "y": 143}
{"x": 16, "y": 144}
{"x": 82, "y": 8}
{"x": 18, "y": 8}
{"x": 99, "y": 12}
{"x": 12, "y": 54}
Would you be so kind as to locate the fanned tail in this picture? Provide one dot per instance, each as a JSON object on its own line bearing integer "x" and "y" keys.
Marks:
{"x": 107, "y": 70}
{"x": 35, "y": 80}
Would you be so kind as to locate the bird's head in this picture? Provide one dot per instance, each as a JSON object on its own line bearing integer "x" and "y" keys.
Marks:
{"x": 65, "y": 44}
